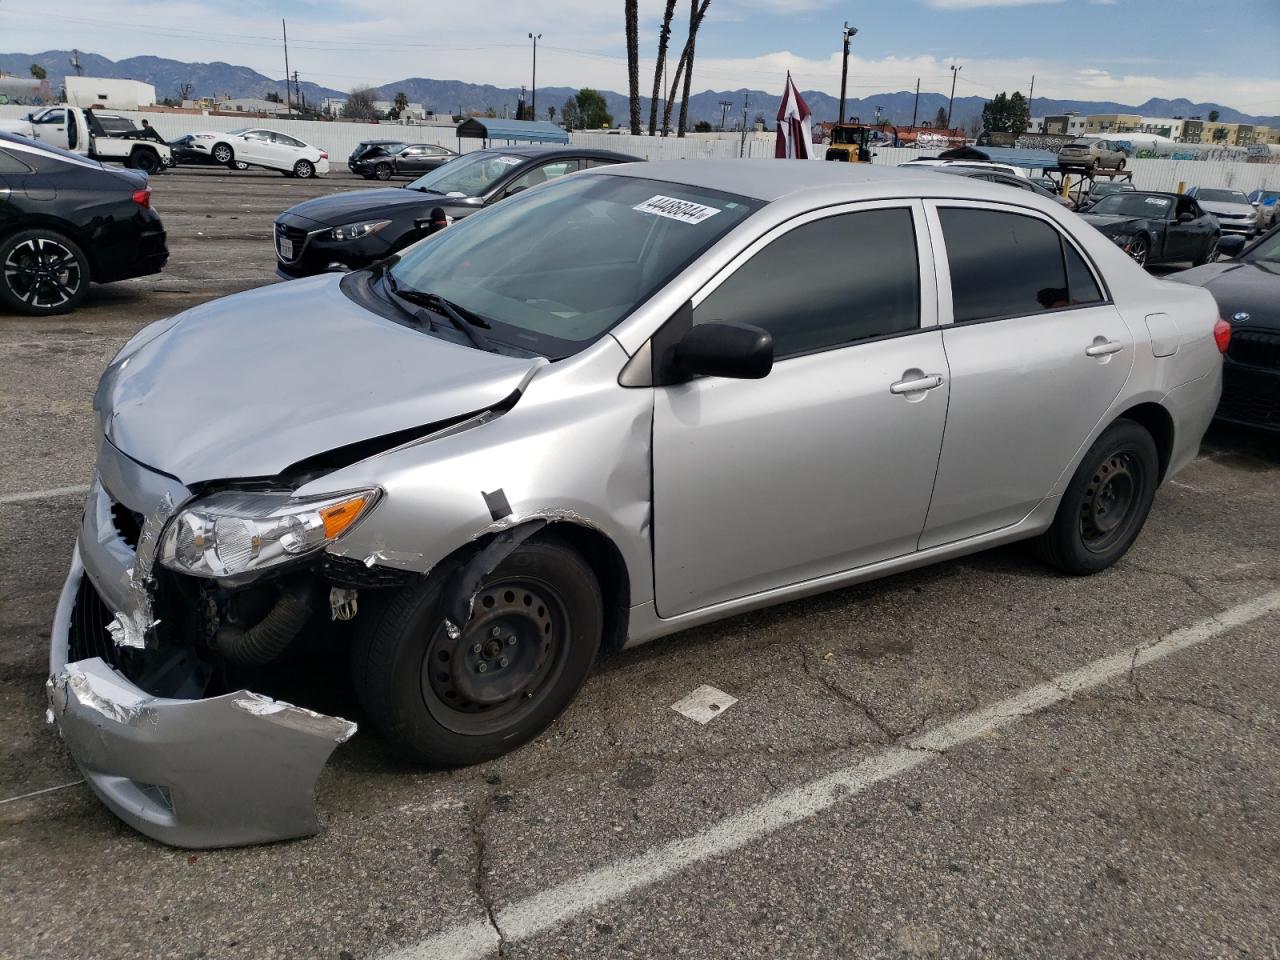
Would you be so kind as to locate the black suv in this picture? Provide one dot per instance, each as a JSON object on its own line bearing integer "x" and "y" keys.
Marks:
{"x": 347, "y": 231}
{"x": 66, "y": 221}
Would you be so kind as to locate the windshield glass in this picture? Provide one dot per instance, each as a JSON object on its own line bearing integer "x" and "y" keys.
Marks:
{"x": 1268, "y": 248}
{"x": 239, "y": 130}
{"x": 555, "y": 268}
{"x": 471, "y": 175}
{"x": 1133, "y": 205}
{"x": 1222, "y": 196}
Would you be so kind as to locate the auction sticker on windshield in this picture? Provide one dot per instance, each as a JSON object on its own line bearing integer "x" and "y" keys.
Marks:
{"x": 686, "y": 211}
{"x": 509, "y": 161}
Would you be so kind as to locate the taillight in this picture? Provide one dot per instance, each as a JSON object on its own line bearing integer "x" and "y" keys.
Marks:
{"x": 1222, "y": 335}
{"x": 143, "y": 198}
{"x": 323, "y": 155}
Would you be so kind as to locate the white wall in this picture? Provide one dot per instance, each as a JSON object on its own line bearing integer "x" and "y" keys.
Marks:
{"x": 340, "y": 138}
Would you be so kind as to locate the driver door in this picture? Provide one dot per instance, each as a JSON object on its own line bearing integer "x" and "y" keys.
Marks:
{"x": 827, "y": 463}
{"x": 255, "y": 147}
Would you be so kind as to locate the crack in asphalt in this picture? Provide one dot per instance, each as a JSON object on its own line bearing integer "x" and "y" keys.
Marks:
{"x": 479, "y": 843}
{"x": 849, "y": 699}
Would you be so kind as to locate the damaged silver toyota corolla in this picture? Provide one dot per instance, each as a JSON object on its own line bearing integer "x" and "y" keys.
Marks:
{"x": 623, "y": 403}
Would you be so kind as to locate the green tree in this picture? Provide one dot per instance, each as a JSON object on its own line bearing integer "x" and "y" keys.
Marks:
{"x": 1019, "y": 114}
{"x": 272, "y": 96}
{"x": 1213, "y": 116}
{"x": 702, "y": 126}
{"x": 551, "y": 114}
{"x": 593, "y": 113}
{"x": 39, "y": 72}
{"x": 359, "y": 105}
{"x": 1219, "y": 134}
{"x": 400, "y": 105}
{"x": 569, "y": 115}
{"x": 1006, "y": 114}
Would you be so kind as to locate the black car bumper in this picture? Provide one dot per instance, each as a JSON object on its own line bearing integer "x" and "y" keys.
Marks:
{"x": 1250, "y": 396}
{"x": 139, "y": 254}
{"x": 304, "y": 248}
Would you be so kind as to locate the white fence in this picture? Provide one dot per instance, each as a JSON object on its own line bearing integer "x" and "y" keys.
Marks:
{"x": 340, "y": 138}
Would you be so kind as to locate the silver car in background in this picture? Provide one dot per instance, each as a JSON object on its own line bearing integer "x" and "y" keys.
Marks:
{"x": 630, "y": 401}
{"x": 1233, "y": 210}
{"x": 1092, "y": 154}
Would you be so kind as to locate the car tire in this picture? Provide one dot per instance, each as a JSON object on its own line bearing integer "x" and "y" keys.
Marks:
{"x": 1140, "y": 250}
{"x": 1105, "y": 504}
{"x": 1120, "y": 165}
{"x": 382, "y": 171}
{"x": 304, "y": 170}
{"x": 223, "y": 154}
{"x": 239, "y": 165}
{"x": 39, "y": 249}
{"x": 538, "y": 620}
{"x": 146, "y": 160}
{"x": 1210, "y": 253}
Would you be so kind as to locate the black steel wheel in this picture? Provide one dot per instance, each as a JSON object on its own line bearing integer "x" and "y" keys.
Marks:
{"x": 222, "y": 153}
{"x": 42, "y": 273}
{"x": 382, "y": 171}
{"x": 146, "y": 160}
{"x": 451, "y": 697}
{"x": 1106, "y": 503}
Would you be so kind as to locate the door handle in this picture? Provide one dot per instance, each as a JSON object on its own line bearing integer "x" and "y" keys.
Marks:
{"x": 917, "y": 383}
{"x": 1102, "y": 347}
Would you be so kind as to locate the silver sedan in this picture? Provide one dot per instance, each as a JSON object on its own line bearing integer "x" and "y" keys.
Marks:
{"x": 634, "y": 400}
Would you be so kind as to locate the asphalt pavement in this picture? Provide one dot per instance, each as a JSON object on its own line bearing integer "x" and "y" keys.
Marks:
{"x": 980, "y": 759}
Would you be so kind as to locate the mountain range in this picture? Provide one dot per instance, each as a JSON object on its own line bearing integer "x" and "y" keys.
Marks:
{"x": 453, "y": 96}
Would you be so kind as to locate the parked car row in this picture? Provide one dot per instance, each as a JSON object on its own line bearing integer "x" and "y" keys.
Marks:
{"x": 384, "y": 159}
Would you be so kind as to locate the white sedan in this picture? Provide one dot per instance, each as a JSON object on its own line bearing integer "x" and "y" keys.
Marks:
{"x": 262, "y": 148}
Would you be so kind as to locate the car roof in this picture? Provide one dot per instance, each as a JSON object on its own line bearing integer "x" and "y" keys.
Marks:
{"x": 560, "y": 151}
{"x": 770, "y": 180}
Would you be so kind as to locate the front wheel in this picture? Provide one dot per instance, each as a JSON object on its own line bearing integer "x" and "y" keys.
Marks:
{"x": 1140, "y": 249}
{"x": 222, "y": 153}
{"x": 1106, "y": 503}
{"x": 148, "y": 161}
{"x": 304, "y": 170}
{"x": 451, "y": 701}
{"x": 44, "y": 273}
{"x": 382, "y": 171}
{"x": 1120, "y": 165}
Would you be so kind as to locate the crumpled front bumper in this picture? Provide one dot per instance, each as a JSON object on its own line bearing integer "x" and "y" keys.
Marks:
{"x": 226, "y": 771}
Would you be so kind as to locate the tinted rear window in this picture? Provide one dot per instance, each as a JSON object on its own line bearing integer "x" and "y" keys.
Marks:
{"x": 1002, "y": 264}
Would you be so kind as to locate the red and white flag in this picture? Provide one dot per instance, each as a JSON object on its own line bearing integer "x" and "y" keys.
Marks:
{"x": 795, "y": 138}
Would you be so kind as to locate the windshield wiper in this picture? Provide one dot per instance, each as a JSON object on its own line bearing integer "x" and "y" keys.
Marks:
{"x": 451, "y": 312}
{"x": 428, "y": 190}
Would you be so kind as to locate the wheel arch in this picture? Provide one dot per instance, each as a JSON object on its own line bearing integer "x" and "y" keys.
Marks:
{"x": 1158, "y": 422}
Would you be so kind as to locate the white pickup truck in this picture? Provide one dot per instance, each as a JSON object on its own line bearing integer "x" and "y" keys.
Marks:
{"x": 100, "y": 136}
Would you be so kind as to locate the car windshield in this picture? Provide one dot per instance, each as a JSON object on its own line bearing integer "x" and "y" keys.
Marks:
{"x": 1268, "y": 248}
{"x": 1133, "y": 205}
{"x": 471, "y": 175}
{"x": 1104, "y": 189}
{"x": 1266, "y": 196}
{"x": 239, "y": 130}
{"x": 1080, "y": 144}
{"x": 556, "y": 267}
{"x": 1222, "y": 196}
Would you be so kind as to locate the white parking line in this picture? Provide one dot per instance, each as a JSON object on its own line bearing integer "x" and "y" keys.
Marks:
{"x": 546, "y": 910}
{"x": 50, "y": 494}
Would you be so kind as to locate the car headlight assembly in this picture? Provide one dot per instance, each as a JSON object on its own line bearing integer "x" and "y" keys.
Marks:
{"x": 235, "y": 532}
{"x": 354, "y": 231}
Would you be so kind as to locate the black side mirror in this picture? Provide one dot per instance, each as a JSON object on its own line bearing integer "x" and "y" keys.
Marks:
{"x": 724, "y": 349}
{"x": 1230, "y": 246}
{"x": 1186, "y": 216}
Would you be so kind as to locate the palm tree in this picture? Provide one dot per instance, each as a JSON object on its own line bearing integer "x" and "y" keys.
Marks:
{"x": 664, "y": 35}
{"x": 633, "y": 61}
{"x": 694, "y": 21}
{"x": 686, "y": 56}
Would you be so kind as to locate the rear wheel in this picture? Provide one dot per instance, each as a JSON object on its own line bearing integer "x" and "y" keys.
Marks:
{"x": 1106, "y": 503}
{"x": 222, "y": 153}
{"x": 1120, "y": 165}
{"x": 43, "y": 273}
{"x": 146, "y": 160}
{"x": 456, "y": 700}
{"x": 304, "y": 170}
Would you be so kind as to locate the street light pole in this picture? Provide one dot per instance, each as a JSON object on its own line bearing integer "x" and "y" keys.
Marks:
{"x": 533, "y": 87}
{"x": 844, "y": 65}
{"x": 954, "y": 73}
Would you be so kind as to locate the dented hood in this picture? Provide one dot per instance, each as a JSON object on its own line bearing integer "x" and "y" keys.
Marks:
{"x": 250, "y": 384}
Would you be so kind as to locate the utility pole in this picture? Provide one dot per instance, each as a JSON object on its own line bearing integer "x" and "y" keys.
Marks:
{"x": 1032, "y": 92}
{"x": 916, "y": 109}
{"x": 849, "y": 32}
{"x": 533, "y": 87}
{"x": 724, "y": 111}
{"x": 742, "y": 143}
{"x": 955, "y": 71}
{"x": 284, "y": 34}
{"x": 75, "y": 63}
{"x": 297, "y": 92}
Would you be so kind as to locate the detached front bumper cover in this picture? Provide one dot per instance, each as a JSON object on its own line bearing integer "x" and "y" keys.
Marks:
{"x": 227, "y": 771}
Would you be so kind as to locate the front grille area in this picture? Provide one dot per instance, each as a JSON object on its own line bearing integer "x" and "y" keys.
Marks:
{"x": 291, "y": 233}
{"x": 88, "y": 631}
{"x": 1255, "y": 348}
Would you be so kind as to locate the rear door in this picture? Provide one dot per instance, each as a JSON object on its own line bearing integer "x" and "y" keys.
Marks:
{"x": 1037, "y": 354}
{"x": 827, "y": 463}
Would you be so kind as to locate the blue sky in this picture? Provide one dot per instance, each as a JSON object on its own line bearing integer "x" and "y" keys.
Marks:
{"x": 1126, "y": 50}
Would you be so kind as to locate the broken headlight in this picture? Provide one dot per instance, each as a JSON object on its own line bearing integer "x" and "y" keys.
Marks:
{"x": 234, "y": 532}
